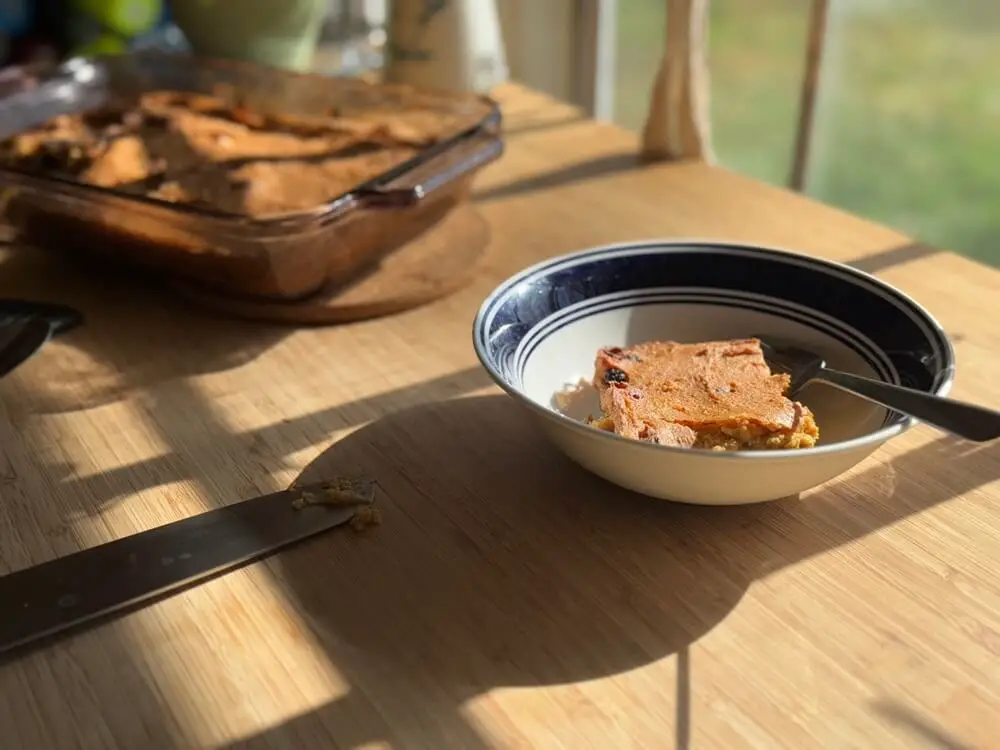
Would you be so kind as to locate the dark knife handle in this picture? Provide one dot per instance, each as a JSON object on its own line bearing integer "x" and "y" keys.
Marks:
{"x": 28, "y": 336}
{"x": 61, "y": 318}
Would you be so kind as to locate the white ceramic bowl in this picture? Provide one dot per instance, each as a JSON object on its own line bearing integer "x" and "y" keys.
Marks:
{"x": 539, "y": 331}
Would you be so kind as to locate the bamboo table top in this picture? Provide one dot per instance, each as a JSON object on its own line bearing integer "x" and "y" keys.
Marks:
{"x": 509, "y": 600}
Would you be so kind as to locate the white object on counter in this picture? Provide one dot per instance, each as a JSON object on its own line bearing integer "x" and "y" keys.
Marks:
{"x": 454, "y": 45}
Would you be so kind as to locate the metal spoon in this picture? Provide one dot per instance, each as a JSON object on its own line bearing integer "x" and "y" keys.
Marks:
{"x": 964, "y": 420}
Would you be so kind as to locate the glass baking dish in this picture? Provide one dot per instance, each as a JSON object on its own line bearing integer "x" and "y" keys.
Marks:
{"x": 282, "y": 257}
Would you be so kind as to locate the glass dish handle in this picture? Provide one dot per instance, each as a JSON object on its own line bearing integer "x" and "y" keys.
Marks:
{"x": 437, "y": 171}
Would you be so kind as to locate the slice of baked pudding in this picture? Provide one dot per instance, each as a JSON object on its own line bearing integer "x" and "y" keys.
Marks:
{"x": 719, "y": 395}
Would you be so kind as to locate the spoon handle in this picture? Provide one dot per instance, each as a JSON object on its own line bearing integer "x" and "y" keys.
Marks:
{"x": 965, "y": 420}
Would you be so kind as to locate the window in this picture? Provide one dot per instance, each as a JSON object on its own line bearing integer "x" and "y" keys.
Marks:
{"x": 907, "y": 124}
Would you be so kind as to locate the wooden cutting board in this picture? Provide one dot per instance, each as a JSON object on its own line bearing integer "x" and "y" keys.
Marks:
{"x": 433, "y": 265}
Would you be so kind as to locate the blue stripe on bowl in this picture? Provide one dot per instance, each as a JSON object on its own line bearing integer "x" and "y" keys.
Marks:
{"x": 515, "y": 369}
{"x": 855, "y": 340}
{"x": 905, "y": 333}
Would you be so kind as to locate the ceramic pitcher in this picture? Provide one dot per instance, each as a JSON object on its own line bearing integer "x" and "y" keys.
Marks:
{"x": 445, "y": 44}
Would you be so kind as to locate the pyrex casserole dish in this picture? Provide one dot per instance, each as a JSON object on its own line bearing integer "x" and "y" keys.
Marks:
{"x": 286, "y": 256}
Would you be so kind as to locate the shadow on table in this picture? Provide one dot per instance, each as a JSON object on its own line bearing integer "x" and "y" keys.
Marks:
{"x": 585, "y": 170}
{"x": 524, "y": 125}
{"x": 131, "y": 335}
{"x": 183, "y": 417}
{"x": 918, "y": 726}
{"x": 473, "y": 583}
{"x": 122, "y": 669}
{"x": 129, "y": 345}
{"x": 894, "y": 256}
{"x": 507, "y": 566}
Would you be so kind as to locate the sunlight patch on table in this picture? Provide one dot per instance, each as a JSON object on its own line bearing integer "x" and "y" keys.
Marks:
{"x": 230, "y": 658}
{"x": 201, "y": 642}
{"x": 112, "y": 436}
{"x": 586, "y": 712}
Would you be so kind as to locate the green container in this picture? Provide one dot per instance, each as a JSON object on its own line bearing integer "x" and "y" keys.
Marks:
{"x": 279, "y": 33}
{"x": 124, "y": 18}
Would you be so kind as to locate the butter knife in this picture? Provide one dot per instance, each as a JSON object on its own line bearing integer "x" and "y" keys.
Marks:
{"x": 70, "y": 591}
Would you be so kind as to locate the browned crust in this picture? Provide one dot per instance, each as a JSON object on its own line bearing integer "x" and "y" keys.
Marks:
{"x": 199, "y": 150}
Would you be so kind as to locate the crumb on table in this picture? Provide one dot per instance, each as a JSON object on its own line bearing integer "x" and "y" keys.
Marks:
{"x": 344, "y": 492}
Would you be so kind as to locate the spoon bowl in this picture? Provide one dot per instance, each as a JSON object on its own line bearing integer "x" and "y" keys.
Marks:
{"x": 964, "y": 420}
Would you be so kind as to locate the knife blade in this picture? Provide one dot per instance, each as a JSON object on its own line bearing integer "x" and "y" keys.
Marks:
{"x": 67, "y": 592}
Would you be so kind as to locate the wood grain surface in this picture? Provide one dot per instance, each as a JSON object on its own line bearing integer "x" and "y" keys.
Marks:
{"x": 509, "y": 600}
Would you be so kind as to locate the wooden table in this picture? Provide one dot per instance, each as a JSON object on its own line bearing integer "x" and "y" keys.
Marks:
{"x": 509, "y": 600}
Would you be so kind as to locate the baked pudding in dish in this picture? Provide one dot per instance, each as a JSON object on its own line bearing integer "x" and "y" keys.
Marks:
{"x": 202, "y": 151}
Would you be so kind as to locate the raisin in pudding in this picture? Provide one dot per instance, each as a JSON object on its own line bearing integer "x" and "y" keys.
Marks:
{"x": 719, "y": 395}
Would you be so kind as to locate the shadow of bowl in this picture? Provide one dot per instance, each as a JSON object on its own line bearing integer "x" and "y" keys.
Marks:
{"x": 503, "y": 565}
{"x": 500, "y": 564}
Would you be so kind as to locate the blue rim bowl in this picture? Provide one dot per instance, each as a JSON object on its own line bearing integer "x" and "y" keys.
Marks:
{"x": 899, "y": 341}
